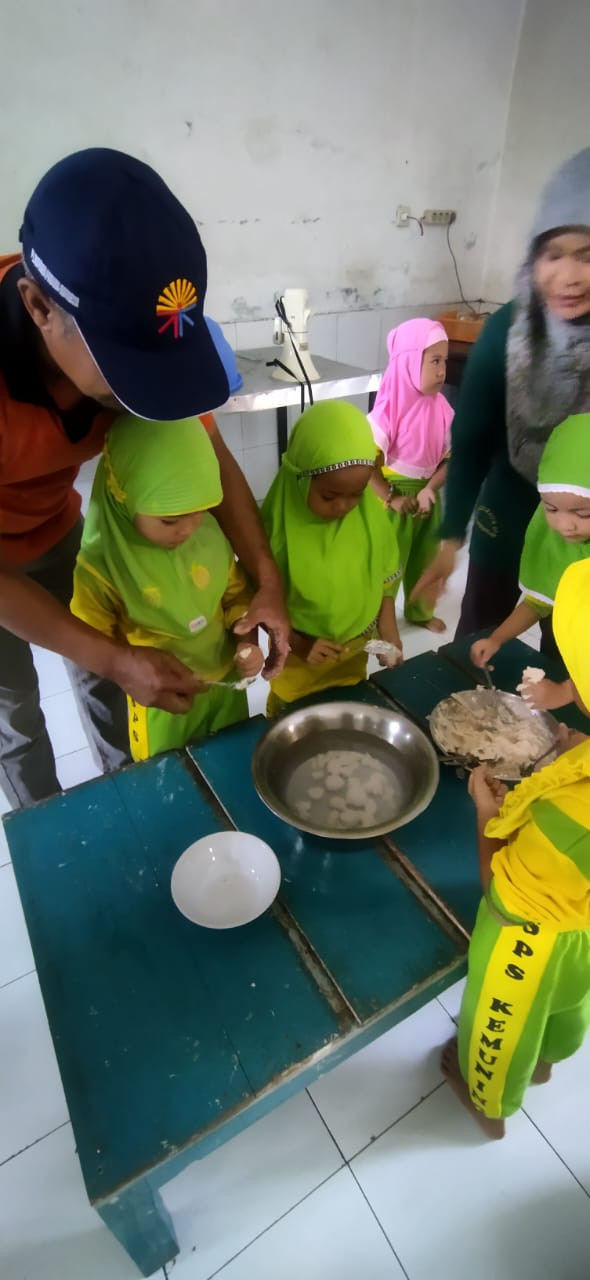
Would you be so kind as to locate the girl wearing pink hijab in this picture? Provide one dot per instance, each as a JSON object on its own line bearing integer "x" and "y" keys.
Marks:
{"x": 411, "y": 424}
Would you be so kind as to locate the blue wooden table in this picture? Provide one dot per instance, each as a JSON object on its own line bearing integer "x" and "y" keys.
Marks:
{"x": 170, "y": 1038}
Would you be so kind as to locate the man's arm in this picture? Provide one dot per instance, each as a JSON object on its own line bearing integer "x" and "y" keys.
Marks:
{"x": 240, "y": 520}
{"x": 150, "y": 676}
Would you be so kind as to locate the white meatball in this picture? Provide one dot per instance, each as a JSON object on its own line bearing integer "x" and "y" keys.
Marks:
{"x": 355, "y": 795}
{"x": 334, "y": 782}
{"x": 315, "y": 793}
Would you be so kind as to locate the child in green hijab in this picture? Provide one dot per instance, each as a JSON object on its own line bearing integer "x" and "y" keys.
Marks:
{"x": 558, "y": 535}
{"x": 155, "y": 568}
{"x": 330, "y": 536}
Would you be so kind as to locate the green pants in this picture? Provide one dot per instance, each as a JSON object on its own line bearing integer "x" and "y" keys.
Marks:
{"x": 527, "y": 998}
{"x": 417, "y": 540}
{"x": 152, "y": 731}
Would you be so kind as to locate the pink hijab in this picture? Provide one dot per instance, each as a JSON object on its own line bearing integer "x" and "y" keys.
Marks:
{"x": 412, "y": 430}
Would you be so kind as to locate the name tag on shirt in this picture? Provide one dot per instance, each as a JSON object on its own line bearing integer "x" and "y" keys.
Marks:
{"x": 197, "y": 624}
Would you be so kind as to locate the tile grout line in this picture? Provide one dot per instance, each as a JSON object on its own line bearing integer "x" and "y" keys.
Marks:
{"x": 556, "y": 1152}
{"x": 326, "y": 1127}
{"x": 35, "y": 1142}
{"x": 379, "y": 1223}
{"x": 264, "y": 1231}
{"x": 348, "y": 1162}
{"x": 454, "y": 1017}
{"x": 19, "y": 978}
{"x": 382, "y": 1132}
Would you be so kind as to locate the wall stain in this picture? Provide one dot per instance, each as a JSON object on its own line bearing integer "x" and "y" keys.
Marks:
{"x": 243, "y": 311}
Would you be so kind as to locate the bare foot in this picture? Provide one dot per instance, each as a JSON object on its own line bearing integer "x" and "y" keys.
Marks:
{"x": 542, "y": 1072}
{"x": 450, "y": 1068}
{"x": 433, "y": 624}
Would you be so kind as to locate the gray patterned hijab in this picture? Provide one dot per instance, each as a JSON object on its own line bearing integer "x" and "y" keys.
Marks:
{"x": 548, "y": 360}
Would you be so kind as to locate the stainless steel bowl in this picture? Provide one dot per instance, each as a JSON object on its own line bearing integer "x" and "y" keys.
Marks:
{"x": 354, "y": 726}
{"x": 487, "y": 701}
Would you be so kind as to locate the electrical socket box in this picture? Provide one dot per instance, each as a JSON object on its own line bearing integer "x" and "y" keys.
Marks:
{"x": 438, "y": 217}
{"x": 402, "y": 215}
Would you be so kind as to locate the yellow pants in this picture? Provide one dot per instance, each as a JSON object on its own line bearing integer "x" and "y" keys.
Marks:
{"x": 298, "y": 679}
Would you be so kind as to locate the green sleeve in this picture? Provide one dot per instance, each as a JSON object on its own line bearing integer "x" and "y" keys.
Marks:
{"x": 479, "y": 425}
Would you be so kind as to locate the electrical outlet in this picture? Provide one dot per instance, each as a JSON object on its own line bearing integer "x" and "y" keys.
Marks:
{"x": 402, "y": 215}
{"x": 438, "y": 217}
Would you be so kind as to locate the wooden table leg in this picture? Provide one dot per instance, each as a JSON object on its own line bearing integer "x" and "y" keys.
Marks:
{"x": 141, "y": 1223}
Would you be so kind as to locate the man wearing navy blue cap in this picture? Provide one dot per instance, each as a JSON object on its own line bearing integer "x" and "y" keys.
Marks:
{"x": 104, "y": 310}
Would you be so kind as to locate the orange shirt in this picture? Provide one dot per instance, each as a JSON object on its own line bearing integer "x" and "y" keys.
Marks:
{"x": 39, "y": 464}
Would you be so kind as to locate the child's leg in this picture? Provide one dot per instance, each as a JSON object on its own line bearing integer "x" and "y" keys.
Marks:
{"x": 566, "y": 1028}
{"x": 513, "y": 980}
{"x": 152, "y": 730}
{"x": 421, "y": 552}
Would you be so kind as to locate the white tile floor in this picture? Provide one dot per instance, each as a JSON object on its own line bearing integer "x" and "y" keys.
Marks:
{"x": 373, "y": 1173}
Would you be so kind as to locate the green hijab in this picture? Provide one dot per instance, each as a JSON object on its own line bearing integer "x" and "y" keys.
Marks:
{"x": 564, "y": 468}
{"x": 161, "y": 469}
{"x": 334, "y": 570}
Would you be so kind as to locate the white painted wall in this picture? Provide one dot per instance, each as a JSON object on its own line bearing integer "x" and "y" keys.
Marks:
{"x": 548, "y": 120}
{"x": 291, "y": 132}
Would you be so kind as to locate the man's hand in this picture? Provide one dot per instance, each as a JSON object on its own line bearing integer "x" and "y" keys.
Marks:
{"x": 268, "y": 610}
{"x": 249, "y": 660}
{"x": 486, "y": 792}
{"x": 322, "y": 651}
{"x": 434, "y": 579}
{"x": 154, "y": 678}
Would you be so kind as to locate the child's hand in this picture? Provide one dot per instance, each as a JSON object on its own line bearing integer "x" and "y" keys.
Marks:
{"x": 393, "y": 658}
{"x": 249, "y": 660}
{"x": 322, "y": 651}
{"x": 545, "y": 695}
{"x": 405, "y": 505}
{"x": 486, "y": 792}
{"x": 425, "y": 500}
{"x": 568, "y": 738}
{"x": 482, "y": 650}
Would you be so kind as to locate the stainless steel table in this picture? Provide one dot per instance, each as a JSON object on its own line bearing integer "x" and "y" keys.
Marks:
{"x": 262, "y": 391}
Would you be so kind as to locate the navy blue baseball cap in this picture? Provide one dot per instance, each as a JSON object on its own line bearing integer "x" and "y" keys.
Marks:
{"x": 106, "y": 239}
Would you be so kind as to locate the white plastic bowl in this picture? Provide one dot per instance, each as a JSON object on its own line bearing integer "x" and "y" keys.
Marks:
{"x": 225, "y": 880}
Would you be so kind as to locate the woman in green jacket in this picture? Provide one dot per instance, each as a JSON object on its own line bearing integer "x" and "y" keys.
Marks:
{"x": 529, "y": 370}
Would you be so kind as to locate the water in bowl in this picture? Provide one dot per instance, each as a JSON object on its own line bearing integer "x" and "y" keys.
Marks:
{"x": 351, "y": 790}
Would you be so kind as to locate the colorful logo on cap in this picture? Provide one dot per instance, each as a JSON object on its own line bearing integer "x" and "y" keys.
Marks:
{"x": 175, "y": 301}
